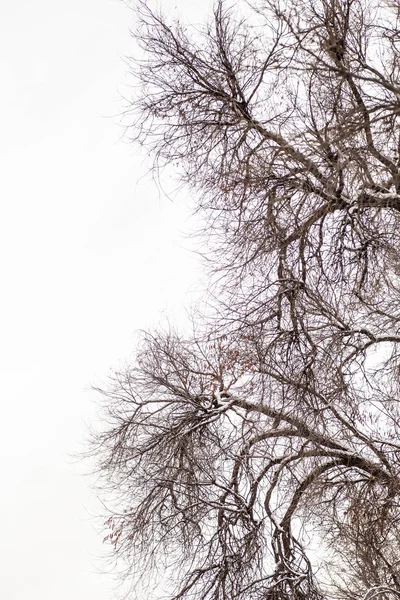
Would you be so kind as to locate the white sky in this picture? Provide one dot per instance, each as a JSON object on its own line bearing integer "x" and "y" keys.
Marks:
{"x": 90, "y": 253}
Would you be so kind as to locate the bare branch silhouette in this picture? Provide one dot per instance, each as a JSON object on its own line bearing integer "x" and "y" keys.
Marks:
{"x": 275, "y": 427}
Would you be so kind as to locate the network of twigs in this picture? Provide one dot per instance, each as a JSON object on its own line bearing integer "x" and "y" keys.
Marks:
{"x": 272, "y": 433}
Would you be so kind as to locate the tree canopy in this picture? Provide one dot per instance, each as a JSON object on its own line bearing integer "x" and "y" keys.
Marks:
{"x": 268, "y": 438}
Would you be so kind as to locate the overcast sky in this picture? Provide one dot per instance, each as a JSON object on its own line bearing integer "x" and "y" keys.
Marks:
{"x": 90, "y": 252}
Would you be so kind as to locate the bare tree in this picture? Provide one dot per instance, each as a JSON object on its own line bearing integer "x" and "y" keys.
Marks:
{"x": 273, "y": 431}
